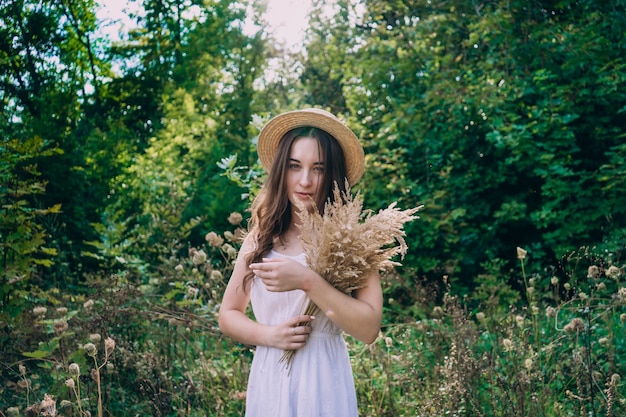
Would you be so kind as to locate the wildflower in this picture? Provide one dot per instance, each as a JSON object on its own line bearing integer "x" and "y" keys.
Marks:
{"x": 229, "y": 236}
{"x": 615, "y": 378}
{"x": 194, "y": 271}
{"x": 88, "y": 304}
{"x": 613, "y": 272}
{"x": 550, "y": 311}
{"x": 70, "y": 383}
{"x": 60, "y": 326}
{"x": 95, "y": 337}
{"x": 235, "y": 218}
{"x": 507, "y": 344}
{"x": 622, "y": 317}
{"x": 593, "y": 272}
{"x": 13, "y": 412}
{"x": 535, "y": 309}
{"x": 530, "y": 290}
{"x": 40, "y": 311}
{"x": 554, "y": 280}
{"x": 603, "y": 341}
{"x": 583, "y": 296}
{"x": 528, "y": 364}
{"x": 109, "y": 346}
{"x": 22, "y": 369}
{"x": 531, "y": 282}
{"x": 230, "y": 251}
{"x": 179, "y": 268}
{"x": 192, "y": 292}
{"x": 66, "y": 404}
{"x": 199, "y": 257}
{"x": 192, "y": 251}
{"x": 567, "y": 286}
{"x": 521, "y": 253}
{"x": 519, "y": 320}
{"x": 480, "y": 316}
{"x": 577, "y": 324}
{"x": 90, "y": 349}
{"x": 62, "y": 310}
{"x": 48, "y": 406}
{"x": 214, "y": 239}
{"x": 74, "y": 369}
{"x": 601, "y": 286}
{"x": 437, "y": 311}
{"x": 23, "y": 383}
{"x": 216, "y": 275}
{"x": 110, "y": 366}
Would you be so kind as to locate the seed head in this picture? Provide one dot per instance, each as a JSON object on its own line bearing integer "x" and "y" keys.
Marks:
{"x": 480, "y": 316}
{"x": 507, "y": 344}
{"x": 613, "y": 272}
{"x": 235, "y": 218}
{"x": 70, "y": 383}
{"x": 528, "y": 364}
{"x": 74, "y": 369}
{"x": 603, "y": 341}
{"x": 519, "y": 320}
{"x": 40, "y": 311}
{"x": 60, "y": 326}
{"x": 229, "y": 236}
{"x": 615, "y": 378}
{"x": 214, "y": 239}
{"x": 199, "y": 258}
{"x": 90, "y": 349}
{"x": 49, "y": 406}
{"x": 521, "y": 253}
{"x": 593, "y": 272}
{"x": 179, "y": 268}
{"x": 550, "y": 311}
{"x": 554, "y": 280}
{"x": 109, "y": 346}
{"x": 13, "y": 412}
{"x": 95, "y": 337}
{"x": 22, "y": 369}
{"x": 62, "y": 310}
{"x": 88, "y": 304}
{"x": 216, "y": 275}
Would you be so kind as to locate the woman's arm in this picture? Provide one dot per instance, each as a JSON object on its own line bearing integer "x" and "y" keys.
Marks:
{"x": 234, "y": 322}
{"x": 359, "y": 315}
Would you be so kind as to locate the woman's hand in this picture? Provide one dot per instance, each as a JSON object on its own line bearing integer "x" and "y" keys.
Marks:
{"x": 280, "y": 274}
{"x": 291, "y": 334}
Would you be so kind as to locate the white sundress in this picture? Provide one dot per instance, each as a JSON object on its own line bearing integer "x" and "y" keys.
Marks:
{"x": 319, "y": 381}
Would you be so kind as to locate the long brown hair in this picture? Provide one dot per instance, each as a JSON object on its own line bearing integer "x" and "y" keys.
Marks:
{"x": 271, "y": 210}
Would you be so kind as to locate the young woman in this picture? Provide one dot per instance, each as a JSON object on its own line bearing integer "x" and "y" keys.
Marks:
{"x": 305, "y": 152}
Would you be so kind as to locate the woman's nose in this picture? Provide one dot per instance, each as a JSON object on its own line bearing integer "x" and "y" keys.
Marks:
{"x": 305, "y": 177}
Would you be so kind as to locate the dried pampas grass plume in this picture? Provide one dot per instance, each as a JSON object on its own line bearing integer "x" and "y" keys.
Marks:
{"x": 346, "y": 244}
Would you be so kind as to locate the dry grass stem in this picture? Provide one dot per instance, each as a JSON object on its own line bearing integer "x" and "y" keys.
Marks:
{"x": 346, "y": 244}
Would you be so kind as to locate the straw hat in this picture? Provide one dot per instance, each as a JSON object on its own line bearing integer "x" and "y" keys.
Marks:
{"x": 276, "y": 128}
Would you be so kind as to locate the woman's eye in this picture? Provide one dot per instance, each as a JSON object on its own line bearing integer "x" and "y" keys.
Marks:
{"x": 294, "y": 166}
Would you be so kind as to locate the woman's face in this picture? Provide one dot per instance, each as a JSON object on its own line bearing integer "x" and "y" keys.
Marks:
{"x": 305, "y": 171}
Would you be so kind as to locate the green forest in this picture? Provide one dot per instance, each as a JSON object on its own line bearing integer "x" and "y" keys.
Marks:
{"x": 127, "y": 167}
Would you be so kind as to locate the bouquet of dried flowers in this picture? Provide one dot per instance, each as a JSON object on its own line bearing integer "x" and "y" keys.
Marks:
{"x": 346, "y": 244}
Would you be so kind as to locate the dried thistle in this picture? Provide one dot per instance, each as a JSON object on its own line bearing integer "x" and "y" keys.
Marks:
{"x": 346, "y": 244}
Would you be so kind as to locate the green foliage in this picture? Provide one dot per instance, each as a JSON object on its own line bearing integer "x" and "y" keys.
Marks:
{"x": 498, "y": 117}
{"x": 23, "y": 250}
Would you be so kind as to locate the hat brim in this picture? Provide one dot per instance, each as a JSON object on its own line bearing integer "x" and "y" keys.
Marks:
{"x": 276, "y": 128}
